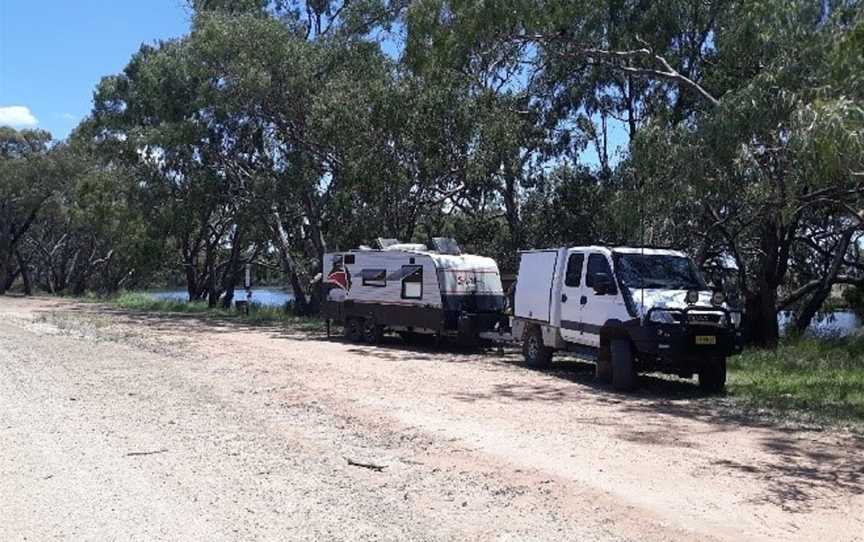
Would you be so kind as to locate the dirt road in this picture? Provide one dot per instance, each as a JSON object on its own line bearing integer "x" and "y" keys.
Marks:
{"x": 119, "y": 426}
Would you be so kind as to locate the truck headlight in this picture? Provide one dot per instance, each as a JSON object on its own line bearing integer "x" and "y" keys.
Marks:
{"x": 662, "y": 317}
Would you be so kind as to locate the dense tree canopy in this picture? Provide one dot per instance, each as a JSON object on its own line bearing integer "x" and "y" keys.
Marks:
{"x": 276, "y": 130}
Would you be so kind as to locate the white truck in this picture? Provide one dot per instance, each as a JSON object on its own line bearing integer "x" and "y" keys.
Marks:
{"x": 632, "y": 309}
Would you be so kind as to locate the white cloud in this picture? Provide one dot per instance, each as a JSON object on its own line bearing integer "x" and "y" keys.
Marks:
{"x": 68, "y": 116}
{"x": 17, "y": 116}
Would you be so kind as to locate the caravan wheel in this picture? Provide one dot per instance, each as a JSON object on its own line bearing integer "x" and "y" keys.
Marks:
{"x": 372, "y": 332}
{"x": 354, "y": 329}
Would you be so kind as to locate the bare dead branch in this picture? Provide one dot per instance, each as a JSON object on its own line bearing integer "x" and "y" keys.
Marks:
{"x": 370, "y": 466}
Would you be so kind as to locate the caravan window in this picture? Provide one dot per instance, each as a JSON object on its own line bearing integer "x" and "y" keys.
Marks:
{"x": 375, "y": 277}
{"x": 412, "y": 282}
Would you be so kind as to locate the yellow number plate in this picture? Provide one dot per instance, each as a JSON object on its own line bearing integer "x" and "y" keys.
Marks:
{"x": 706, "y": 339}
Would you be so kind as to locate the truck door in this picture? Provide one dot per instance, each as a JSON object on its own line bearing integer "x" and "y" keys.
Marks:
{"x": 599, "y": 306}
{"x": 572, "y": 296}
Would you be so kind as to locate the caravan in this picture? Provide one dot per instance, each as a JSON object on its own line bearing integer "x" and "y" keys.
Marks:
{"x": 412, "y": 290}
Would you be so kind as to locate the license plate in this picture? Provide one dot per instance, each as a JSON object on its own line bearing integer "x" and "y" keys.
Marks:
{"x": 706, "y": 339}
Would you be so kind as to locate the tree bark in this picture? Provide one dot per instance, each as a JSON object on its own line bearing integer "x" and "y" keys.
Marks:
{"x": 8, "y": 280}
{"x": 232, "y": 270}
{"x": 301, "y": 307}
{"x": 817, "y": 299}
{"x": 761, "y": 315}
{"x": 25, "y": 274}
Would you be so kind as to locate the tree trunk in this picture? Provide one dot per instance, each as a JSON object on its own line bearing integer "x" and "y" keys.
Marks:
{"x": 6, "y": 281}
{"x": 232, "y": 271}
{"x": 510, "y": 196}
{"x": 6, "y": 252}
{"x": 212, "y": 291}
{"x": 314, "y": 217}
{"x": 762, "y": 324}
{"x": 25, "y": 274}
{"x": 805, "y": 315}
{"x": 301, "y": 307}
{"x": 192, "y": 287}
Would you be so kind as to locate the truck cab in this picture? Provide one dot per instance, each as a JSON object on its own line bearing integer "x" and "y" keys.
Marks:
{"x": 633, "y": 309}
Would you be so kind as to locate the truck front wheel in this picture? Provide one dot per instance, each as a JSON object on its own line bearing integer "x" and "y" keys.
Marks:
{"x": 537, "y": 355}
{"x": 712, "y": 377}
{"x": 623, "y": 372}
{"x": 603, "y": 370}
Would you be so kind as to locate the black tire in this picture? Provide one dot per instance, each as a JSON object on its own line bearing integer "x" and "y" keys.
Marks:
{"x": 537, "y": 355}
{"x": 603, "y": 369}
{"x": 412, "y": 337}
{"x": 623, "y": 372}
{"x": 712, "y": 377}
{"x": 354, "y": 329}
{"x": 372, "y": 332}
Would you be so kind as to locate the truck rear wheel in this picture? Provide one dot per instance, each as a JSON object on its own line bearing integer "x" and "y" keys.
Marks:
{"x": 354, "y": 329}
{"x": 537, "y": 355}
{"x": 623, "y": 372}
{"x": 712, "y": 377}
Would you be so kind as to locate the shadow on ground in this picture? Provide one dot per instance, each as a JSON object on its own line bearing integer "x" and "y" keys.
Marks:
{"x": 799, "y": 470}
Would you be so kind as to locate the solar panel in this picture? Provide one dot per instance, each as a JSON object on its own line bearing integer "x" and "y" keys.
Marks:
{"x": 446, "y": 245}
{"x": 384, "y": 242}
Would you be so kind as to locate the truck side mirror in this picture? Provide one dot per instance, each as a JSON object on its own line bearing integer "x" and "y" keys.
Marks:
{"x": 603, "y": 284}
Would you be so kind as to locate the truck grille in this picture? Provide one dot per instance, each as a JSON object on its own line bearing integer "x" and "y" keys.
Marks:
{"x": 705, "y": 318}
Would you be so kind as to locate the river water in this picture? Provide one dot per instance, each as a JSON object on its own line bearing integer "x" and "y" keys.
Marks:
{"x": 836, "y": 324}
{"x": 273, "y": 297}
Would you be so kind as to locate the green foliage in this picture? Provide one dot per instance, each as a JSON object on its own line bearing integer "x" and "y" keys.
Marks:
{"x": 854, "y": 299}
{"x": 820, "y": 379}
{"x": 144, "y": 302}
{"x": 258, "y": 314}
{"x": 277, "y": 130}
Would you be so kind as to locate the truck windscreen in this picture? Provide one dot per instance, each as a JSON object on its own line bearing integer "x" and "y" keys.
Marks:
{"x": 657, "y": 271}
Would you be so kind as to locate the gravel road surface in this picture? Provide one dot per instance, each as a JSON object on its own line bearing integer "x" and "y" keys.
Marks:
{"x": 127, "y": 426}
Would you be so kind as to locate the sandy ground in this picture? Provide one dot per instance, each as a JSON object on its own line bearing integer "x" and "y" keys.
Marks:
{"x": 124, "y": 426}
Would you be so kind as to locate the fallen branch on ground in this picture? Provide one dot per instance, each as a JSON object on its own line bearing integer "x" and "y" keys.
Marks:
{"x": 147, "y": 453}
{"x": 370, "y": 466}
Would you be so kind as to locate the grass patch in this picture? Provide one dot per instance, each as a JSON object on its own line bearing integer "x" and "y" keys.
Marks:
{"x": 258, "y": 314}
{"x": 144, "y": 302}
{"x": 821, "y": 380}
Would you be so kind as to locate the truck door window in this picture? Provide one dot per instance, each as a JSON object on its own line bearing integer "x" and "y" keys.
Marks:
{"x": 597, "y": 264}
{"x": 412, "y": 282}
{"x": 573, "y": 278}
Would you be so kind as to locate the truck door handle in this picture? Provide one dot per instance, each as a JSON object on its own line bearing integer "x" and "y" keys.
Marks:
{"x": 563, "y": 298}
{"x": 583, "y": 300}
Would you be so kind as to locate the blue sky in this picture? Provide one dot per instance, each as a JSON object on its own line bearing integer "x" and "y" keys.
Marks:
{"x": 53, "y": 53}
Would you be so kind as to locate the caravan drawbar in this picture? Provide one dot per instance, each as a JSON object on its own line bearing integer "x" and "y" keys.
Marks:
{"x": 412, "y": 290}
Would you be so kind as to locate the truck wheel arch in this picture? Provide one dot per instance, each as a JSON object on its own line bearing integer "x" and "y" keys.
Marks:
{"x": 613, "y": 329}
